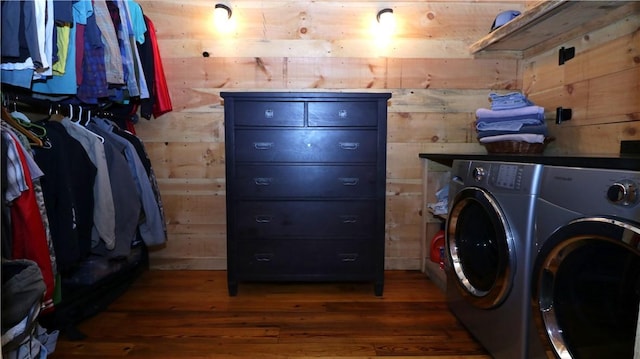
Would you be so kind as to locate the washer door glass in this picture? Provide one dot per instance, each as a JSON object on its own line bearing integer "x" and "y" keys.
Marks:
{"x": 587, "y": 289}
{"x": 479, "y": 247}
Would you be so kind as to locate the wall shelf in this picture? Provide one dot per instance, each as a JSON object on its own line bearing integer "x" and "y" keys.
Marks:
{"x": 548, "y": 24}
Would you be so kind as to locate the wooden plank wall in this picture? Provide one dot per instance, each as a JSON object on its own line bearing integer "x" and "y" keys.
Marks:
{"x": 321, "y": 45}
{"x": 601, "y": 85}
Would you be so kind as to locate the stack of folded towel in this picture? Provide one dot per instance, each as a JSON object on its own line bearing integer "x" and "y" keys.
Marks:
{"x": 512, "y": 117}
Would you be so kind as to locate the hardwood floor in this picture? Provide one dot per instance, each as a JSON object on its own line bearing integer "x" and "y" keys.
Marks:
{"x": 188, "y": 314}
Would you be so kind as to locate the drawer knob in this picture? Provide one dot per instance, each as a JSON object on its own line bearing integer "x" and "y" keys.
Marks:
{"x": 263, "y": 257}
{"x": 342, "y": 113}
{"x": 348, "y": 257}
{"x": 268, "y": 113}
{"x": 349, "y": 145}
{"x": 263, "y": 181}
{"x": 349, "y": 219}
{"x": 263, "y": 145}
{"x": 349, "y": 181}
{"x": 262, "y": 218}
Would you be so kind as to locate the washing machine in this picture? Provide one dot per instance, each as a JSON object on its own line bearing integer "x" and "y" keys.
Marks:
{"x": 490, "y": 250}
{"x": 586, "y": 278}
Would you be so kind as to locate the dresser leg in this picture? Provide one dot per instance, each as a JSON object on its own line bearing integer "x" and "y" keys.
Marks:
{"x": 378, "y": 288}
{"x": 233, "y": 289}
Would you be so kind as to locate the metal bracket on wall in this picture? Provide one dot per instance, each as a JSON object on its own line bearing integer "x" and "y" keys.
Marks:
{"x": 563, "y": 114}
{"x": 565, "y": 55}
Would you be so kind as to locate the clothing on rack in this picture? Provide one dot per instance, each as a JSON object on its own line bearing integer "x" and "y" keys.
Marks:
{"x": 68, "y": 194}
{"x": 126, "y": 199}
{"x": 151, "y": 225}
{"x": 92, "y": 52}
{"x": 160, "y": 102}
{"x": 104, "y": 212}
{"x": 54, "y": 197}
{"x": 28, "y": 234}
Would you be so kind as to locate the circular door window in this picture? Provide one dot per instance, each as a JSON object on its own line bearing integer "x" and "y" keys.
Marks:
{"x": 587, "y": 289}
{"x": 479, "y": 246}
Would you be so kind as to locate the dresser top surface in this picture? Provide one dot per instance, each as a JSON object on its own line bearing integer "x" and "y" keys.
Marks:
{"x": 306, "y": 95}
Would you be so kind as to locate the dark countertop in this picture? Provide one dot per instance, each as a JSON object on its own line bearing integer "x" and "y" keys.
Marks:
{"x": 610, "y": 161}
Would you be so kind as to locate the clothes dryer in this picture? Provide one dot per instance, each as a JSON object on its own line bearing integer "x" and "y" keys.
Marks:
{"x": 586, "y": 283}
{"x": 490, "y": 249}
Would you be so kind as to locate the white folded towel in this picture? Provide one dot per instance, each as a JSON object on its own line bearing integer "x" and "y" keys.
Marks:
{"x": 523, "y": 137}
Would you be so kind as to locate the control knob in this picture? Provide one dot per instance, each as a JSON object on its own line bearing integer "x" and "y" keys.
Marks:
{"x": 478, "y": 173}
{"x": 623, "y": 192}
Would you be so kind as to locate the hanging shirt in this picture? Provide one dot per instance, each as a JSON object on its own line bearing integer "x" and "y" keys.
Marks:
{"x": 22, "y": 24}
{"x": 45, "y": 38}
{"x": 146, "y": 162}
{"x": 137, "y": 28}
{"x": 104, "y": 212}
{"x": 112, "y": 56}
{"x": 120, "y": 17}
{"x": 93, "y": 84}
{"x": 151, "y": 228}
{"x": 29, "y": 236}
{"x": 68, "y": 194}
{"x": 126, "y": 197}
{"x": 138, "y": 25}
{"x": 162, "y": 103}
{"x": 66, "y": 84}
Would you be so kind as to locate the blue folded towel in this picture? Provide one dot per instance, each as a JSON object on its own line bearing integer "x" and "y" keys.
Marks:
{"x": 522, "y": 113}
{"x": 508, "y": 101}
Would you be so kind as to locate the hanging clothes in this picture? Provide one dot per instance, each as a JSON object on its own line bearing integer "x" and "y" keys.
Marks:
{"x": 151, "y": 227}
{"x": 29, "y": 239}
{"x": 146, "y": 162}
{"x": 161, "y": 103}
{"x": 104, "y": 211}
{"x": 66, "y": 83}
{"x": 68, "y": 181}
{"x": 92, "y": 82}
{"x": 112, "y": 57}
{"x": 126, "y": 198}
{"x": 85, "y": 51}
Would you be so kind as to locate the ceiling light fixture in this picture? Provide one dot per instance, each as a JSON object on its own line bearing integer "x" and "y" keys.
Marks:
{"x": 386, "y": 19}
{"x": 222, "y": 13}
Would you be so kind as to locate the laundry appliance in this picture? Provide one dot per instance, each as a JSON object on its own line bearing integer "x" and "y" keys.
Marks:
{"x": 586, "y": 279}
{"x": 490, "y": 249}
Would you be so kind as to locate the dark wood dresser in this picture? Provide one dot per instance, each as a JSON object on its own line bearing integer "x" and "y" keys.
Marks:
{"x": 305, "y": 186}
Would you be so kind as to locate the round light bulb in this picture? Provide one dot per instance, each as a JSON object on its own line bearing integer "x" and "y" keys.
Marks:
{"x": 386, "y": 19}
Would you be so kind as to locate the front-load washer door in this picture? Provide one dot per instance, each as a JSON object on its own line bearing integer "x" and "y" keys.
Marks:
{"x": 586, "y": 288}
{"x": 479, "y": 248}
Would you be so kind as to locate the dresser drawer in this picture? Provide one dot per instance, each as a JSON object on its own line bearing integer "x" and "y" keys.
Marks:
{"x": 306, "y": 146}
{"x": 269, "y": 113}
{"x": 305, "y": 219}
{"x": 343, "y": 113}
{"x": 304, "y": 260}
{"x": 309, "y": 181}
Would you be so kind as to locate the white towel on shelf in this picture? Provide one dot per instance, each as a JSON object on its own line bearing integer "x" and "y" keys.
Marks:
{"x": 523, "y": 137}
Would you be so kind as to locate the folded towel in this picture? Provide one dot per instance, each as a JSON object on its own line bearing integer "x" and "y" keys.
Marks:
{"x": 525, "y": 137}
{"x": 522, "y": 113}
{"x": 511, "y": 125}
{"x": 535, "y": 129}
{"x": 508, "y": 101}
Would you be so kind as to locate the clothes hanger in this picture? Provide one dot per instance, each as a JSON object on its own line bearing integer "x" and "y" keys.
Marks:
{"x": 33, "y": 139}
{"x": 77, "y": 123}
{"x": 25, "y": 122}
{"x": 55, "y": 115}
